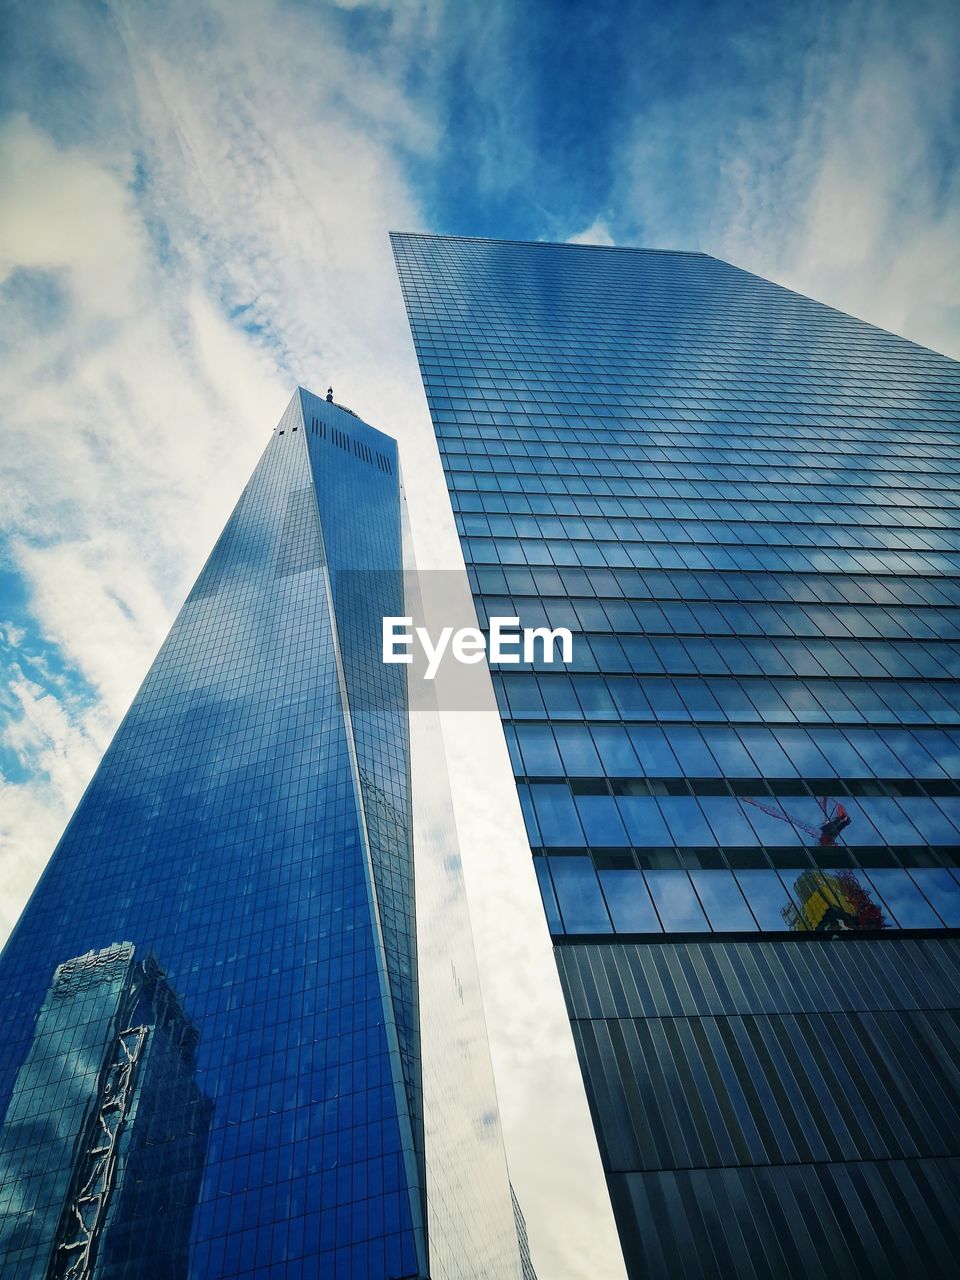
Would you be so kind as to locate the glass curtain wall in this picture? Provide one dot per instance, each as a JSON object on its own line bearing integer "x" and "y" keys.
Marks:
{"x": 743, "y": 504}
{"x": 249, "y": 831}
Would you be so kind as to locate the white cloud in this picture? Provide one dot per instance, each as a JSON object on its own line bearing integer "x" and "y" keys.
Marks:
{"x": 221, "y": 234}
{"x": 830, "y": 175}
{"x": 871, "y": 221}
{"x": 60, "y": 209}
{"x": 12, "y": 635}
{"x": 61, "y": 750}
{"x": 597, "y": 233}
{"x": 222, "y": 237}
{"x": 122, "y": 454}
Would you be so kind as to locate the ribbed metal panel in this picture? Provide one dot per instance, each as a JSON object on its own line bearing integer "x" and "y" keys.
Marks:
{"x": 893, "y": 1220}
{"x": 775, "y": 1109}
{"x": 676, "y": 978}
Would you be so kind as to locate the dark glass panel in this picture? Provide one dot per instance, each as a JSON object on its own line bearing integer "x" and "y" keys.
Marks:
{"x": 578, "y": 893}
{"x": 677, "y": 904}
{"x": 628, "y": 902}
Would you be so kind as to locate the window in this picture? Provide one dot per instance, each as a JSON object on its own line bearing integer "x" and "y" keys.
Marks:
{"x": 578, "y": 893}
{"x": 676, "y": 903}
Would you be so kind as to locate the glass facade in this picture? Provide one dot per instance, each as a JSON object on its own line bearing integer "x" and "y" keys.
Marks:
{"x": 744, "y": 505}
{"x": 106, "y": 1132}
{"x": 254, "y": 1107}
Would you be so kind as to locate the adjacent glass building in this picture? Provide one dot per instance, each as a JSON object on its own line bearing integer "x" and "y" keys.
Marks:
{"x": 106, "y": 1132}
{"x": 741, "y": 794}
{"x": 211, "y": 1056}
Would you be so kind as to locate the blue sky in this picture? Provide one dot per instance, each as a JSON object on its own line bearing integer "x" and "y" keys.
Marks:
{"x": 194, "y": 205}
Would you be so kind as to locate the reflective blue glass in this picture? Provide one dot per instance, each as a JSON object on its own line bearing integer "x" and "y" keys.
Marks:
{"x": 550, "y": 904}
{"x": 538, "y": 749}
{"x": 643, "y": 820}
{"x": 939, "y": 886}
{"x": 764, "y": 891}
{"x": 722, "y": 900}
{"x": 556, "y": 815}
{"x": 253, "y": 836}
{"x": 210, "y": 1043}
{"x": 686, "y": 820}
{"x": 628, "y": 902}
{"x": 670, "y": 493}
{"x": 744, "y": 504}
{"x": 579, "y": 896}
{"x": 904, "y": 899}
{"x": 675, "y": 900}
{"x": 577, "y": 752}
{"x": 656, "y": 758}
{"x": 618, "y": 758}
{"x": 602, "y": 824}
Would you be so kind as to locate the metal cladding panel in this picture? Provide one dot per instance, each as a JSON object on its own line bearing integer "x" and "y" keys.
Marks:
{"x": 746, "y": 1095}
{"x": 880, "y": 1221}
{"x": 687, "y": 979}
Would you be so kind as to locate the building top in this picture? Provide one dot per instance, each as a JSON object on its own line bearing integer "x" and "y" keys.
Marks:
{"x": 545, "y": 244}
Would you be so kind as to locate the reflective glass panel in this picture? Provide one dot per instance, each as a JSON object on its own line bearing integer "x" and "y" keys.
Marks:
{"x": 578, "y": 892}
{"x": 676, "y": 903}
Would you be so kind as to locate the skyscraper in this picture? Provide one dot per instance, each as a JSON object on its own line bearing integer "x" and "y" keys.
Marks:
{"x": 104, "y": 1140}
{"x": 250, "y": 830}
{"x": 740, "y": 793}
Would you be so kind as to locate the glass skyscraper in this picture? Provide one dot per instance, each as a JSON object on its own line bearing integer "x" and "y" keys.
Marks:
{"x": 211, "y": 1055}
{"x": 740, "y": 795}
{"x": 116, "y": 1142}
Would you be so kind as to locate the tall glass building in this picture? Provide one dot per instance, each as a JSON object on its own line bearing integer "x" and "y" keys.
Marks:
{"x": 740, "y": 795}
{"x": 211, "y": 1055}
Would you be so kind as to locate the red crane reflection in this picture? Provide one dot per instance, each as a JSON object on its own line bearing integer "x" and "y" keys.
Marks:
{"x": 835, "y": 818}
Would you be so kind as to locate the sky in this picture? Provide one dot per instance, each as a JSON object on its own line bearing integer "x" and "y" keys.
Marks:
{"x": 194, "y": 205}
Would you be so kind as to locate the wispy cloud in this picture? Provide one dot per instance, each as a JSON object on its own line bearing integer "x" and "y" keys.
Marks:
{"x": 875, "y": 227}
{"x": 193, "y": 217}
{"x": 598, "y": 232}
{"x": 825, "y": 158}
{"x": 199, "y": 224}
